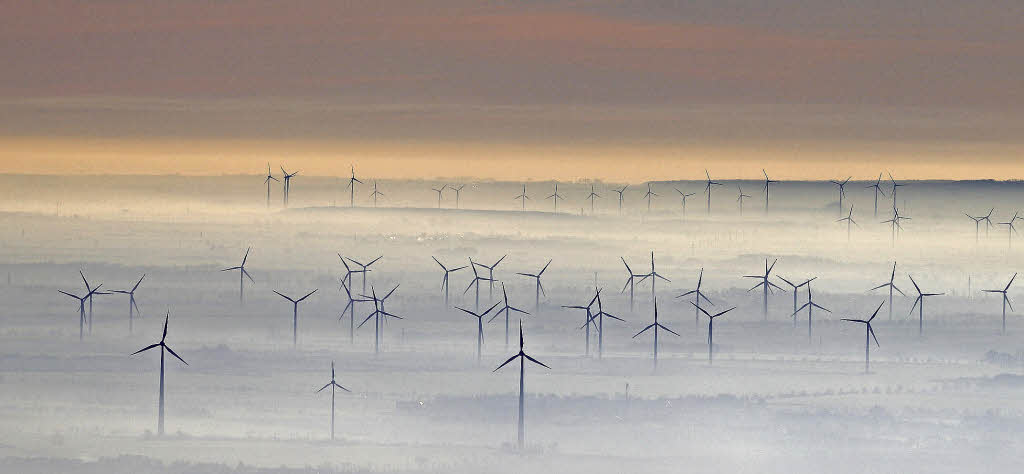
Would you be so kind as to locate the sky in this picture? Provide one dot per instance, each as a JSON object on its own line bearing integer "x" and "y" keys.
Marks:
{"x": 624, "y": 91}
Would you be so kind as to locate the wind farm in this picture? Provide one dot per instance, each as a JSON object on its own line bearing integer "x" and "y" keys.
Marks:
{"x": 822, "y": 317}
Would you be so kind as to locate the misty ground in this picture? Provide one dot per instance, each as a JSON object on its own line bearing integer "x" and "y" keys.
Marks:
{"x": 773, "y": 401}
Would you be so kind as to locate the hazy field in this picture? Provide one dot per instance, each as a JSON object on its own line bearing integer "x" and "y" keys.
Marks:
{"x": 773, "y": 401}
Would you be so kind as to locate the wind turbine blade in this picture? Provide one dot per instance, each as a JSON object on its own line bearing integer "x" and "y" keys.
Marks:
{"x": 872, "y": 331}
{"x": 535, "y": 361}
{"x": 343, "y": 388}
{"x": 510, "y": 359}
{"x": 643, "y": 330}
{"x": 700, "y": 309}
{"x": 283, "y": 296}
{"x": 1010, "y": 283}
{"x": 144, "y": 277}
{"x": 325, "y": 386}
{"x": 175, "y": 354}
{"x": 367, "y": 319}
{"x": 307, "y": 295}
{"x": 669, "y": 330}
{"x": 246, "y": 273}
{"x": 144, "y": 349}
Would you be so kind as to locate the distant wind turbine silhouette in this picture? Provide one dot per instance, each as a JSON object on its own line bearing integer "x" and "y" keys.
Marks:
{"x": 352, "y": 180}
{"x": 767, "y": 187}
{"x": 630, "y": 283}
{"x": 378, "y": 312}
{"x": 711, "y": 326}
{"x": 849, "y": 221}
{"x": 364, "y": 268}
{"x": 350, "y": 308}
{"x": 555, "y": 197}
{"x": 523, "y": 357}
{"x": 540, "y": 288}
{"x": 1006, "y": 299}
{"x": 977, "y": 224}
{"x": 810, "y": 305}
{"x": 592, "y": 196}
{"x": 878, "y": 190}
{"x": 287, "y": 188}
{"x": 479, "y": 327}
{"x": 894, "y": 186}
{"x": 587, "y": 320}
{"x": 163, "y": 346}
{"x": 697, "y": 295}
{"x": 599, "y": 316}
{"x": 333, "y": 384}
{"x": 374, "y": 195}
{"x": 649, "y": 196}
{"x": 684, "y": 196}
{"x": 765, "y": 284}
{"x": 655, "y": 325}
{"x": 739, "y": 198}
{"x": 620, "y": 191}
{"x": 457, "y": 191}
{"x": 81, "y": 308}
{"x": 490, "y": 275}
{"x": 707, "y": 188}
{"x": 295, "y": 314}
{"x": 869, "y": 333}
{"x": 919, "y": 304}
{"x": 506, "y": 308}
{"x": 132, "y": 307}
{"x": 475, "y": 282}
{"x": 241, "y": 273}
{"x": 523, "y": 197}
{"x": 91, "y": 294}
{"x": 653, "y": 275}
{"x": 270, "y": 177}
{"x": 892, "y": 286}
{"x": 439, "y": 191}
{"x": 842, "y": 191}
{"x": 1010, "y": 230}
{"x": 796, "y": 288}
{"x": 444, "y": 279}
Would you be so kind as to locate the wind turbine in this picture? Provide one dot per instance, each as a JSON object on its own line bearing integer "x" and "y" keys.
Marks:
{"x": 620, "y": 191}
{"x": 767, "y": 187}
{"x": 479, "y": 327}
{"x": 295, "y": 314}
{"x": 475, "y": 282}
{"x": 655, "y": 325}
{"x": 540, "y": 287}
{"x": 849, "y": 220}
{"x": 506, "y": 308}
{"x": 352, "y": 186}
{"x": 523, "y": 197}
{"x": 592, "y": 196}
{"x": 287, "y": 184}
{"x": 523, "y": 357}
{"x": 365, "y": 268}
{"x": 350, "y": 307}
{"x": 919, "y": 304}
{"x": 599, "y": 316}
{"x": 740, "y": 198}
{"x": 649, "y": 196}
{"x": 765, "y": 284}
{"x": 842, "y": 191}
{"x": 697, "y": 295}
{"x": 457, "y": 191}
{"x": 241, "y": 273}
{"x": 988, "y": 221}
{"x": 878, "y": 190}
{"x": 796, "y": 288}
{"x": 270, "y": 177}
{"x": 378, "y": 311}
{"x": 333, "y": 384}
{"x": 868, "y": 334}
{"x": 1006, "y": 299}
{"x": 91, "y": 294}
{"x": 163, "y": 346}
{"x": 711, "y": 326}
{"x": 630, "y": 282}
{"x": 374, "y": 195}
{"x": 587, "y": 321}
{"x": 654, "y": 275}
{"x": 439, "y": 191}
{"x": 810, "y": 305}
{"x": 894, "y": 186}
{"x": 81, "y": 308}
{"x": 131, "y": 302}
{"x": 892, "y": 286}
{"x": 1010, "y": 230}
{"x": 977, "y": 225}
{"x": 444, "y": 280}
{"x": 707, "y": 188}
{"x": 555, "y": 197}
{"x": 684, "y": 196}
{"x": 490, "y": 275}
